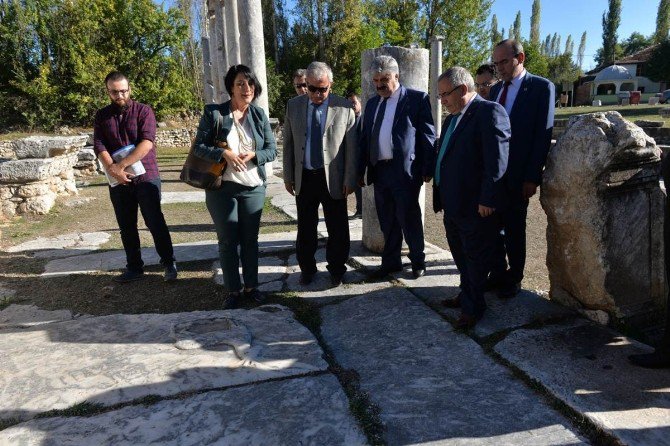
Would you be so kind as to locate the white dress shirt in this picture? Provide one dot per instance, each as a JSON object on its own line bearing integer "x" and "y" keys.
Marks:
{"x": 385, "y": 132}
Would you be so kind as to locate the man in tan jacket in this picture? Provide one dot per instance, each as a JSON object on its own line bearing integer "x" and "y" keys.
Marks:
{"x": 320, "y": 167}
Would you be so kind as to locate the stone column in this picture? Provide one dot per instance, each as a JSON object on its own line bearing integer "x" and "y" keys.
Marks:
{"x": 222, "y": 46}
{"x": 233, "y": 32}
{"x": 252, "y": 44}
{"x": 435, "y": 71}
{"x": 208, "y": 84}
{"x": 604, "y": 207}
{"x": 413, "y": 65}
{"x": 213, "y": 45}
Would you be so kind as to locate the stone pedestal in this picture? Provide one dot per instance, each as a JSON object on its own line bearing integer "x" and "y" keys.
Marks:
{"x": 604, "y": 210}
{"x": 435, "y": 72}
{"x": 413, "y": 64}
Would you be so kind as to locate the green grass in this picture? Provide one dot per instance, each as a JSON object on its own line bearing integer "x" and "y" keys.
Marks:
{"x": 631, "y": 112}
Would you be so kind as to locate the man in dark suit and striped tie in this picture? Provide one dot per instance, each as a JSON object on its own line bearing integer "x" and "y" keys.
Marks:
{"x": 471, "y": 159}
{"x": 529, "y": 102}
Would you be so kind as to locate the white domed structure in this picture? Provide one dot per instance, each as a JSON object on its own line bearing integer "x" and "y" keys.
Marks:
{"x": 614, "y": 79}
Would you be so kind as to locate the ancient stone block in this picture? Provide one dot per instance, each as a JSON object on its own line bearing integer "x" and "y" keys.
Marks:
{"x": 86, "y": 154}
{"x": 33, "y": 190}
{"x": 5, "y": 193}
{"x": 26, "y": 170}
{"x": 48, "y": 146}
{"x": 664, "y": 112}
{"x": 38, "y": 205}
{"x": 604, "y": 210}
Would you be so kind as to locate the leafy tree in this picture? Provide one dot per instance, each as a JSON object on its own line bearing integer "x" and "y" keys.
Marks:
{"x": 658, "y": 66}
{"x": 495, "y": 35}
{"x": 662, "y": 21}
{"x": 517, "y": 26}
{"x": 610, "y": 22}
{"x": 580, "y": 51}
{"x": 536, "y": 61}
{"x": 535, "y": 23}
{"x": 635, "y": 42}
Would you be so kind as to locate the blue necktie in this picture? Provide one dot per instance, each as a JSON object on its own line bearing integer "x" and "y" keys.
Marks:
{"x": 316, "y": 141}
{"x": 374, "y": 136}
{"x": 443, "y": 147}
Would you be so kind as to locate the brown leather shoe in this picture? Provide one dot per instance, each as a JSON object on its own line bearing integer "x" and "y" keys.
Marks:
{"x": 454, "y": 302}
{"x": 465, "y": 322}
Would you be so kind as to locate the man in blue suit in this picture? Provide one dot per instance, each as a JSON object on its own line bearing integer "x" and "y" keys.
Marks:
{"x": 397, "y": 140}
{"x": 529, "y": 102}
{"x": 471, "y": 159}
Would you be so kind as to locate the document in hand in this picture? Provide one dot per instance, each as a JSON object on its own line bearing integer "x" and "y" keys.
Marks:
{"x": 135, "y": 169}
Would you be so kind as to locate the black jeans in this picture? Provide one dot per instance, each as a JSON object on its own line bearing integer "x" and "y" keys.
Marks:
{"x": 147, "y": 196}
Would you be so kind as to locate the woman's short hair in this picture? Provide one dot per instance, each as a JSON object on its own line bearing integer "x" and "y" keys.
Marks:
{"x": 232, "y": 73}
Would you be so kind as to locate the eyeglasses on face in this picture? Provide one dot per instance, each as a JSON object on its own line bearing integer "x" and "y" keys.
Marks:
{"x": 444, "y": 95}
{"x": 313, "y": 89}
{"x": 303, "y": 85}
{"x": 485, "y": 84}
{"x": 117, "y": 92}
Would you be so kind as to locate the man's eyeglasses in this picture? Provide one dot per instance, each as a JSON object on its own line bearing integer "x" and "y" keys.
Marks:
{"x": 303, "y": 85}
{"x": 116, "y": 92}
{"x": 313, "y": 89}
{"x": 485, "y": 84}
{"x": 444, "y": 95}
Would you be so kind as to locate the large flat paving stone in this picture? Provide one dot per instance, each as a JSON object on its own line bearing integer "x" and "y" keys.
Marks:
{"x": 28, "y": 315}
{"x": 321, "y": 290}
{"x": 270, "y": 269}
{"x": 304, "y": 411}
{"x": 433, "y": 384}
{"x": 369, "y": 260}
{"x": 442, "y": 281}
{"x": 585, "y": 365}
{"x": 65, "y": 245}
{"x": 119, "y": 358}
{"x": 270, "y": 243}
{"x": 183, "y": 197}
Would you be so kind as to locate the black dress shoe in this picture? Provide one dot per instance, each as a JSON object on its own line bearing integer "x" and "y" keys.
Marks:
{"x": 231, "y": 301}
{"x": 256, "y": 295}
{"x": 656, "y": 360}
{"x": 129, "y": 276}
{"x": 381, "y": 273}
{"x": 453, "y": 302}
{"x": 306, "y": 278}
{"x": 509, "y": 291}
{"x": 465, "y": 322}
{"x": 493, "y": 283}
{"x": 418, "y": 272}
{"x": 336, "y": 280}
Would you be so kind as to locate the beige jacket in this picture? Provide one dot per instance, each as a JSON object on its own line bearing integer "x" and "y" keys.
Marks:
{"x": 340, "y": 144}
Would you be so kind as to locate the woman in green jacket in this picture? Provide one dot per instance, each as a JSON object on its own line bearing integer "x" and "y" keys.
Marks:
{"x": 239, "y": 133}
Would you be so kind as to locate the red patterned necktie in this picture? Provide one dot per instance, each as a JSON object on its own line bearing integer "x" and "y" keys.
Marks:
{"x": 503, "y": 96}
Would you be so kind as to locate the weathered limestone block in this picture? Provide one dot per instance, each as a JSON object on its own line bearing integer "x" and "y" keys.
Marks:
{"x": 604, "y": 208}
{"x": 86, "y": 154}
{"x": 645, "y": 123}
{"x": 6, "y": 193}
{"x": 38, "y": 205}
{"x": 25, "y": 170}
{"x": 48, "y": 146}
{"x": 664, "y": 112}
{"x": 33, "y": 190}
{"x": 7, "y": 149}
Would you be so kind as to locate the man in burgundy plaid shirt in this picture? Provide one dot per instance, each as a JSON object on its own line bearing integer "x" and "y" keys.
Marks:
{"x": 122, "y": 123}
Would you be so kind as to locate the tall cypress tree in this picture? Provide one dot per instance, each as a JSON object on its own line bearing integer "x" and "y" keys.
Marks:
{"x": 495, "y": 35}
{"x": 517, "y": 26}
{"x": 662, "y": 21}
{"x": 611, "y": 21}
{"x": 580, "y": 51}
{"x": 535, "y": 23}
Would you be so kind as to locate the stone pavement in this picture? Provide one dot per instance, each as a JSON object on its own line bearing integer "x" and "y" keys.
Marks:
{"x": 384, "y": 366}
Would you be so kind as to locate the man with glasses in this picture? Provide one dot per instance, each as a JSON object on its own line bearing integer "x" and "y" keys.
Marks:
{"x": 485, "y": 78}
{"x": 471, "y": 159}
{"x": 320, "y": 167}
{"x": 529, "y": 102}
{"x": 397, "y": 138}
{"x": 119, "y": 125}
{"x": 299, "y": 81}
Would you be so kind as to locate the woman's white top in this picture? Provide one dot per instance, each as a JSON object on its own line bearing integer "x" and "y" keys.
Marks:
{"x": 240, "y": 140}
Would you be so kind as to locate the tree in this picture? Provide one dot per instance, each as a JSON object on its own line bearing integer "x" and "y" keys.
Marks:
{"x": 546, "y": 46}
{"x": 610, "y": 22}
{"x": 536, "y": 61}
{"x": 580, "y": 51}
{"x": 569, "y": 45}
{"x": 495, "y": 35}
{"x": 658, "y": 66}
{"x": 535, "y": 23}
{"x": 662, "y": 21}
{"x": 635, "y": 42}
{"x": 517, "y": 26}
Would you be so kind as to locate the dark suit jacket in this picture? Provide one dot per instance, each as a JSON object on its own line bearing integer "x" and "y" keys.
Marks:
{"x": 413, "y": 134}
{"x": 531, "y": 138}
{"x": 216, "y": 123}
{"x": 474, "y": 161}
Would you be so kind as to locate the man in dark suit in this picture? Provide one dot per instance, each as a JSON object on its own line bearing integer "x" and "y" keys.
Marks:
{"x": 471, "y": 159}
{"x": 529, "y": 102}
{"x": 397, "y": 140}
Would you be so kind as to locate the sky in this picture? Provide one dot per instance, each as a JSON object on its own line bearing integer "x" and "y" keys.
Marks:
{"x": 567, "y": 17}
{"x": 576, "y": 16}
